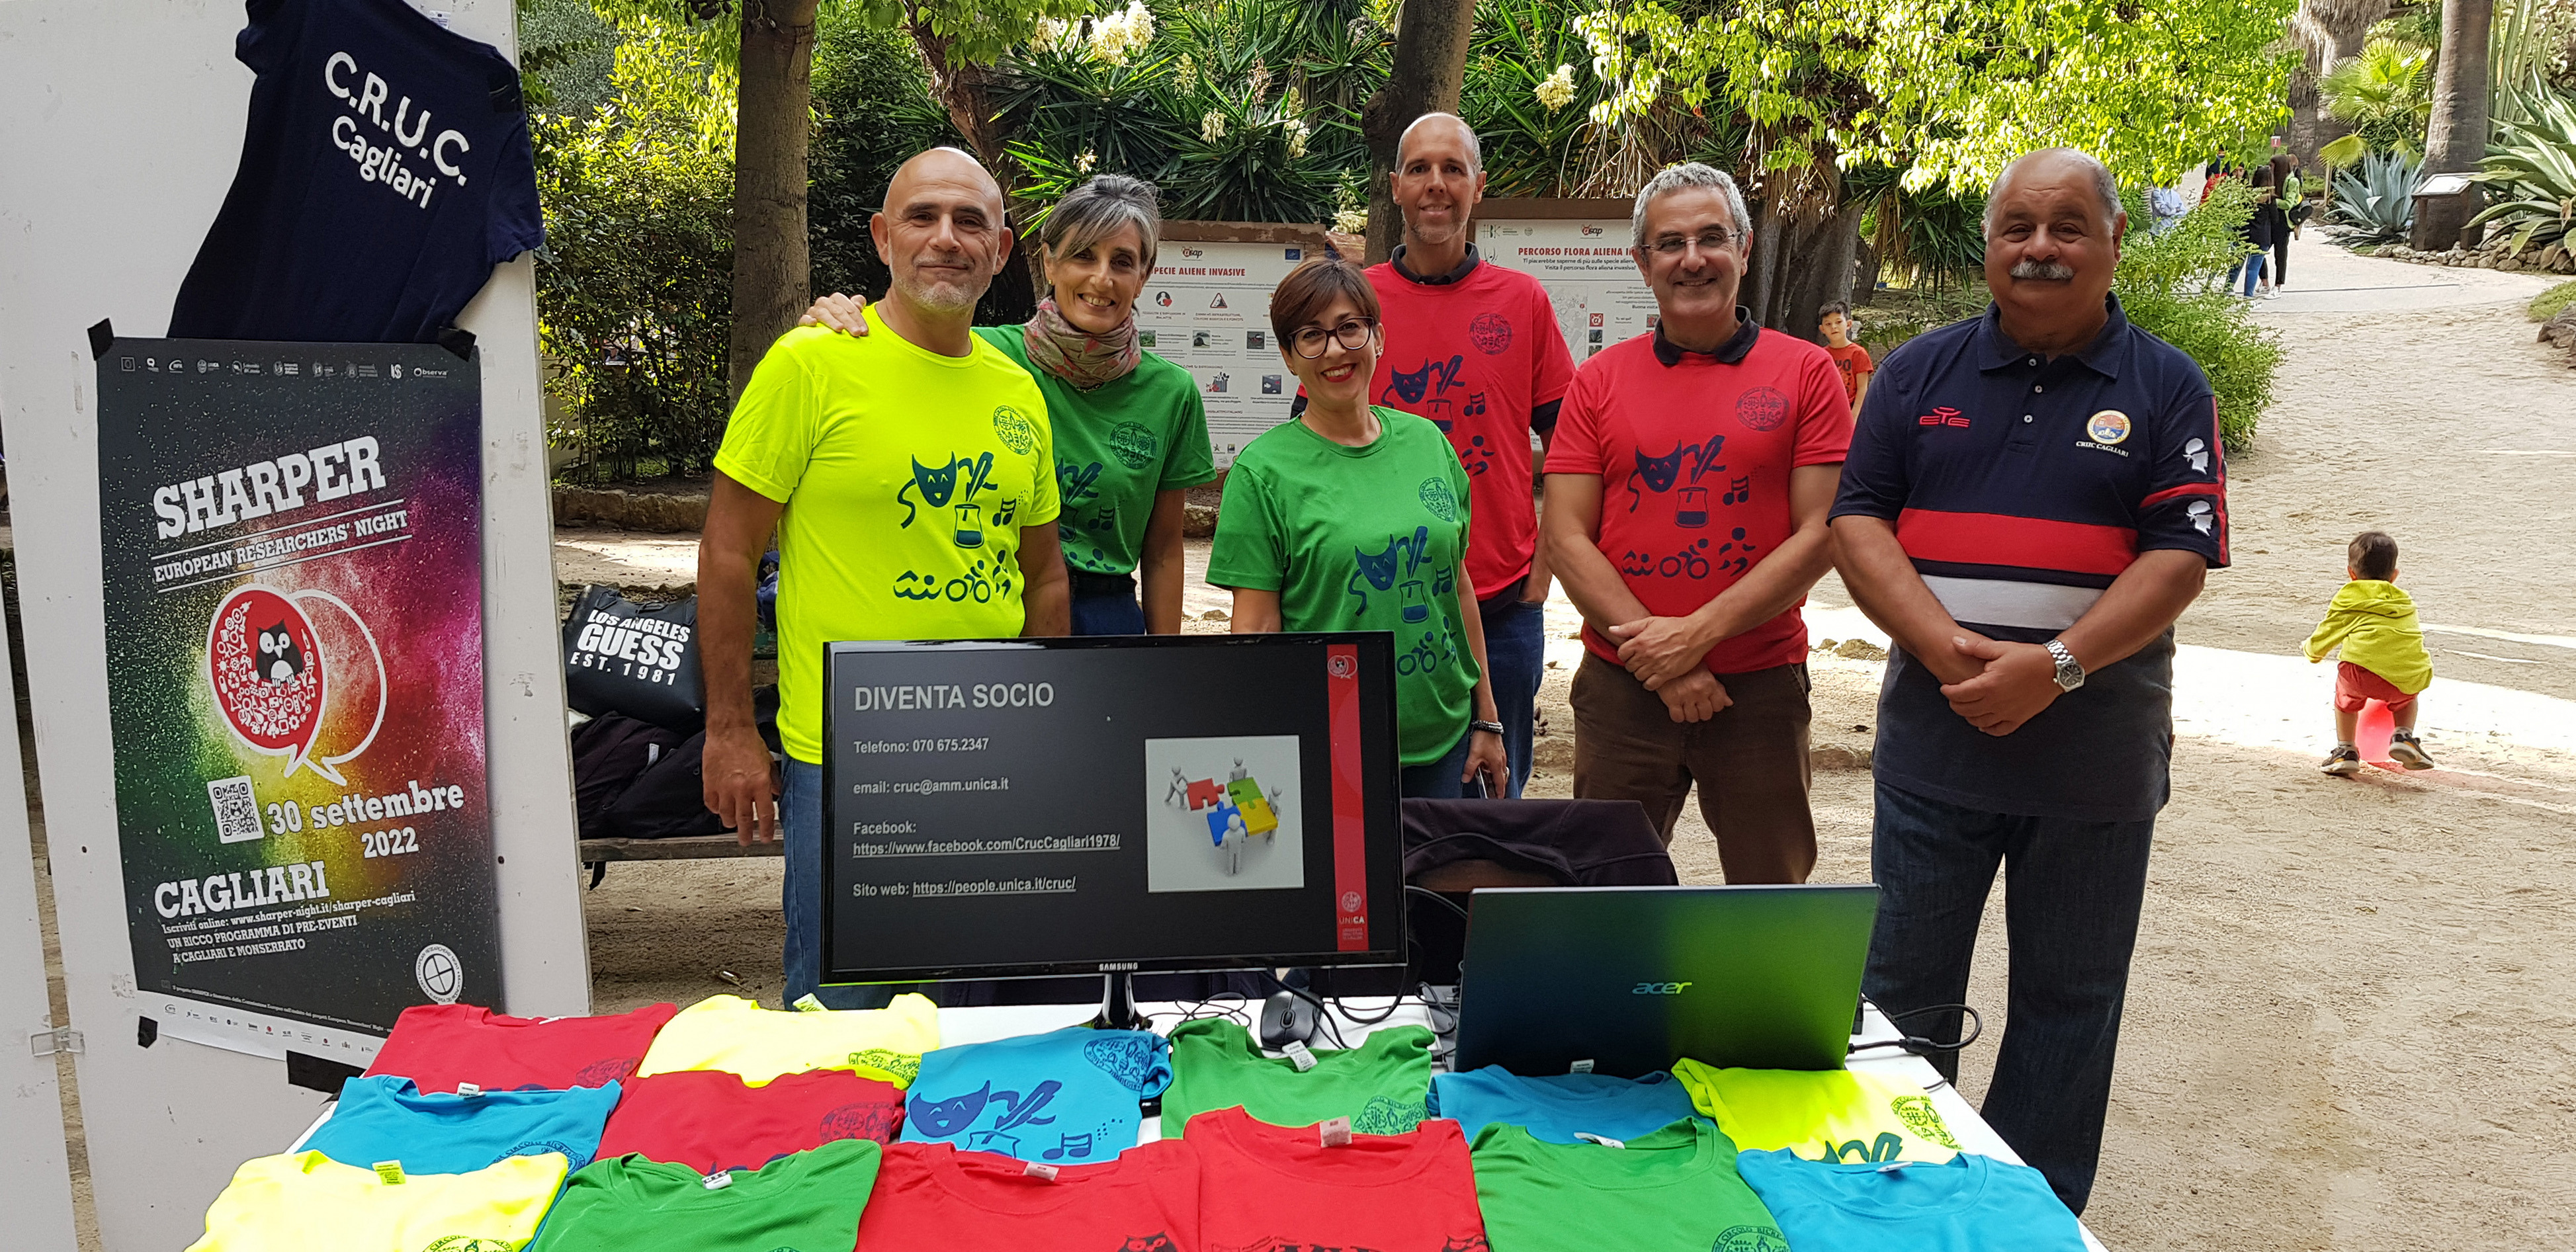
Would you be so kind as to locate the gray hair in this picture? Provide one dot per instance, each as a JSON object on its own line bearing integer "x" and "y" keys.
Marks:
{"x": 1682, "y": 177}
{"x": 1097, "y": 210}
{"x": 2105, "y": 188}
{"x": 1475, "y": 147}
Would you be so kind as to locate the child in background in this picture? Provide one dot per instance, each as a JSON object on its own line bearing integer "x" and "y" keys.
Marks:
{"x": 2383, "y": 654}
{"x": 1851, "y": 358}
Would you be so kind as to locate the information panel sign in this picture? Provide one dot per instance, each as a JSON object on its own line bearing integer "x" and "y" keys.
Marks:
{"x": 293, "y": 593}
{"x": 1585, "y": 265}
{"x": 1207, "y": 310}
{"x": 1091, "y": 805}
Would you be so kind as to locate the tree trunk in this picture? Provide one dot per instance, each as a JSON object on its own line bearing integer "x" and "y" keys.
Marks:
{"x": 2458, "y": 135}
{"x": 2305, "y": 113}
{"x": 772, "y": 270}
{"x": 1429, "y": 71}
{"x": 1762, "y": 267}
{"x": 1820, "y": 272}
{"x": 966, "y": 91}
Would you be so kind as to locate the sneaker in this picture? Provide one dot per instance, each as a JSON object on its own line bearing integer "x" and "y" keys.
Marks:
{"x": 2404, "y": 749}
{"x": 2344, "y": 761}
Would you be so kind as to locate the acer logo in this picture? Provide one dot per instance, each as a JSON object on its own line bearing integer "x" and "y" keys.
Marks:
{"x": 1659, "y": 988}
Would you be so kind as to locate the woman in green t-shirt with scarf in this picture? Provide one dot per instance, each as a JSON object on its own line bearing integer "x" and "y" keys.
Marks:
{"x": 1352, "y": 517}
{"x": 1130, "y": 430}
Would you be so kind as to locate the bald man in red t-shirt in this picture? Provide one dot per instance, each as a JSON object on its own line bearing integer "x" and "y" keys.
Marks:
{"x": 1686, "y": 499}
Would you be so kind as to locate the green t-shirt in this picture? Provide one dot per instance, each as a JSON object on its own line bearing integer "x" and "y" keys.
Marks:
{"x": 1362, "y": 539}
{"x": 802, "y": 1202}
{"x": 1381, "y": 1085}
{"x": 1822, "y": 1115}
{"x": 1675, "y": 1190}
{"x": 1115, "y": 446}
{"x": 907, "y": 476}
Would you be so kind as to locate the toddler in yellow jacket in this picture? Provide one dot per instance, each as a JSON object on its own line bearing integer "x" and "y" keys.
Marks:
{"x": 2383, "y": 654}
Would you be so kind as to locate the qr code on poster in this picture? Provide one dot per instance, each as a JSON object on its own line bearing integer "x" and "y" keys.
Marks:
{"x": 236, "y": 809}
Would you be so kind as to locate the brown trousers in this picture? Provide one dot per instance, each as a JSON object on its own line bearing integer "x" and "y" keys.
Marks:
{"x": 1750, "y": 762}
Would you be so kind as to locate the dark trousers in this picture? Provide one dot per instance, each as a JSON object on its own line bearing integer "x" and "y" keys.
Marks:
{"x": 2281, "y": 256}
{"x": 1750, "y": 762}
{"x": 1105, "y": 604}
{"x": 2072, "y": 891}
{"x": 1438, "y": 780}
{"x": 1515, "y": 657}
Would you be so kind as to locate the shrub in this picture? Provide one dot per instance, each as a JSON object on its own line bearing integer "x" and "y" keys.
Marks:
{"x": 2532, "y": 161}
{"x": 2375, "y": 202}
{"x": 2164, "y": 284}
{"x": 2551, "y": 303}
{"x": 872, "y": 112}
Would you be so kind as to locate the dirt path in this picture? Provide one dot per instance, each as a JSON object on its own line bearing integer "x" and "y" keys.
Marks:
{"x": 2349, "y": 1023}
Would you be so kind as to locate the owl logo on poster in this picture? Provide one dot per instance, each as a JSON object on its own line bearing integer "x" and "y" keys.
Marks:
{"x": 293, "y": 670}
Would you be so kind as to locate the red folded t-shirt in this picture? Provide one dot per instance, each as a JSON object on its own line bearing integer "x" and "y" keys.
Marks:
{"x": 930, "y": 1195}
{"x": 711, "y": 1120}
{"x": 440, "y": 1045}
{"x": 1264, "y": 1188}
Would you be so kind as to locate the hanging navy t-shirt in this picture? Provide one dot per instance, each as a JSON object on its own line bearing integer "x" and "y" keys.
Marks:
{"x": 384, "y": 173}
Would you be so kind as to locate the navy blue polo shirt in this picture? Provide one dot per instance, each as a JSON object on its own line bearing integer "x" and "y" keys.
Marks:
{"x": 2022, "y": 486}
{"x": 385, "y": 170}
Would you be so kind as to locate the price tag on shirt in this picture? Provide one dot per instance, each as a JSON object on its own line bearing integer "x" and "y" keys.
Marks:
{"x": 1335, "y": 1133}
{"x": 1583, "y": 1066}
{"x": 468, "y": 1090}
{"x": 719, "y": 1180}
{"x": 1300, "y": 1056}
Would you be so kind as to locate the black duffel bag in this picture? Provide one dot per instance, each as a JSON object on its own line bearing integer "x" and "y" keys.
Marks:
{"x": 624, "y": 657}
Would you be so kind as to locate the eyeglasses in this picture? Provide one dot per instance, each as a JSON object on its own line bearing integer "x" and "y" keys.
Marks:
{"x": 1310, "y": 341}
{"x": 1714, "y": 239}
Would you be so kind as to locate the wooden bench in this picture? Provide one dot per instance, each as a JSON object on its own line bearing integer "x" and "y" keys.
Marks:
{"x": 597, "y": 853}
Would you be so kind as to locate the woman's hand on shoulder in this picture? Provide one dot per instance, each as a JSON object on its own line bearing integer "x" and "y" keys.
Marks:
{"x": 836, "y": 312}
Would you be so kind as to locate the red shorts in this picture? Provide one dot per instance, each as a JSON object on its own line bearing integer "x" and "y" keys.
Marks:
{"x": 2353, "y": 684}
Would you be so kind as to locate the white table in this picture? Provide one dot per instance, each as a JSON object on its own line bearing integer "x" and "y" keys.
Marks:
{"x": 986, "y": 1024}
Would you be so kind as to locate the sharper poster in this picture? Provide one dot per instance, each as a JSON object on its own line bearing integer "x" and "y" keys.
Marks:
{"x": 289, "y": 539}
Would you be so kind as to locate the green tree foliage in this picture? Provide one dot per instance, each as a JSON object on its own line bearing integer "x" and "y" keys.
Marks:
{"x": 1953, "y": 90}
{"x": 2385, "y": 95}
{"x": 1529, "y": 94}
{"x": 872, "y": 112}
{"x": 634, "y": 296}
{"x": 2166, "y": 286}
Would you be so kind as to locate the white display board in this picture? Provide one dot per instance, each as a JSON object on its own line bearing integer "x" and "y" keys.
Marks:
{"x": 35, "y": 1174}
{"x": 1586, "y": 267}
{"x": 121, "y": 123}
{"x": 1207, "y": 310}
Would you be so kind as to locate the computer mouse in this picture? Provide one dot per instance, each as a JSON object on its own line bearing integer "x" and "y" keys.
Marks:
{"x": 1286, "y": 1018}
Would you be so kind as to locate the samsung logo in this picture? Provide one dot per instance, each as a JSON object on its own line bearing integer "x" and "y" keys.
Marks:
{"x": 1117, "y": 967}
{"x": 1659, "y": 988}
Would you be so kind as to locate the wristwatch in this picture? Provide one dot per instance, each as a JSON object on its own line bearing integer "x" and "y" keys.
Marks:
{"x": 2069, "y": 674}
{"x": 1491, "y": 728}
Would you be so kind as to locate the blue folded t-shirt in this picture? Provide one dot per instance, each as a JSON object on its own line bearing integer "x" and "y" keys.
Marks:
{"x": 1558, "y": 1107}
{"x": 1064, "y": 1098}
{"x": 385, "y": 1118}
{"x": 1966, "y": 1204}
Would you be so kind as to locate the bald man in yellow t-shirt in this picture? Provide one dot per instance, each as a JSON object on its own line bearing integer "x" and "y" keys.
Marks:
{"x": 910, "y": 477}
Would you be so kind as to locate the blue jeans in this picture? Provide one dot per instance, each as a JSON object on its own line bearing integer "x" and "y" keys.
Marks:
{"x": 1100, "y": 610}
{"x": 1515, "y": 657}
{"x": 2253, "y": 267}
{"x": 2071, "y": 898}
{"x": 1439, "y": 779}
{"x": 800, "y": 820}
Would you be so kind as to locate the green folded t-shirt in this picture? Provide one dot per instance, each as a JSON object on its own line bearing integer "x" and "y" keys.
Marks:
{"x": 1675, "y": 1190}
{"x": 1380, "y": 1085}
{"x": 802, "y": 1202}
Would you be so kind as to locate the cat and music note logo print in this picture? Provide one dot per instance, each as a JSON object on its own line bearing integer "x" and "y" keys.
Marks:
{"x": 1065, "y": 1098}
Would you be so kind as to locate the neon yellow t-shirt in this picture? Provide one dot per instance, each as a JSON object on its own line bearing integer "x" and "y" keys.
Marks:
{"x": 757, "y": 1044}
{"x": 307, "y": 1202}
{"x": 907, "y": 476}
{"x": 1822, "y": 1115}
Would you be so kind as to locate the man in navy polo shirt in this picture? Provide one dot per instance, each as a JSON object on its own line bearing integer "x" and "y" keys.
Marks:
{"x": 2030, "y": 500}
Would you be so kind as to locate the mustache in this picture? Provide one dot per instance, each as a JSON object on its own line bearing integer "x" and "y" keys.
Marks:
{"x": 2046, "y": 271}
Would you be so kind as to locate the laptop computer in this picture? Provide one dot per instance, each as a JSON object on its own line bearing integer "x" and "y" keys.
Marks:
{"x": 1631, "y": 979}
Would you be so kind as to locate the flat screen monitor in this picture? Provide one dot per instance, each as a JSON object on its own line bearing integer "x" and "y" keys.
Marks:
{"x": 1034, "y": 807}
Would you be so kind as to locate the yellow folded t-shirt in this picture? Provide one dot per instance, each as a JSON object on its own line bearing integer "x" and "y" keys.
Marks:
{"x": 1821, "y": 1115}
{"x": 307, "y": 1202}
{"x": 756, "y": 1044}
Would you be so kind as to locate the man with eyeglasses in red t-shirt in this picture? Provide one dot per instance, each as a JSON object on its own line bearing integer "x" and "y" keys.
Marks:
{"x": 1686, "y": 499}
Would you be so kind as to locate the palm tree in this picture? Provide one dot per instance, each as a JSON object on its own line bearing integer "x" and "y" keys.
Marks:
{"x": 2329, "y": 32}
{"x": 2458, "y": 135}
{"x": 2383, "y": 96}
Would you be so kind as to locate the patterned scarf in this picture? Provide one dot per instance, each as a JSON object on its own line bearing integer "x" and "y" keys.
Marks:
{"x": 1078, "y": 356}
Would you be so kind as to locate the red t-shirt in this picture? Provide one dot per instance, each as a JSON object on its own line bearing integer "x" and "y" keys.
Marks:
{"x": 440, "y": 1045}
{"x": 1475, "y": 356}
{"x": 709, "y": 1120}
{"x": 1265, "y": 1188}
{"x": 930, "y": 1195}
{"x": 1853, "y": 360}
{"x": 1694, "y": 460}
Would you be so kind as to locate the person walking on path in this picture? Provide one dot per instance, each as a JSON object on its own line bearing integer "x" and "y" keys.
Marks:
{"x": 2255, "y": 235}
{"x": 2383, "y": 655}
{"x": 2032, "y": 498}
{"x": 1475, "y": 348}
{"x": 1686, "y": 500}
{"x": 1129, "y": 427}
{"x": 2280, "y": 216}
{"x": 1352, "y": 516}
{"x": 909, "y": 478}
